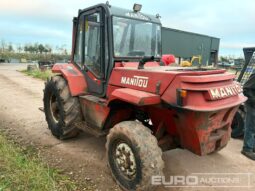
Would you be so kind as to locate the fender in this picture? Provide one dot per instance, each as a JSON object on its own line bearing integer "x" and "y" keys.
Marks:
{"x": 135, "y": 97}
{"x": 75, "y": 78}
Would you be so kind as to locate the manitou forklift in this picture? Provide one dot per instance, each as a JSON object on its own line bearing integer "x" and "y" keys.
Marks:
{"x": 118, "y": 85}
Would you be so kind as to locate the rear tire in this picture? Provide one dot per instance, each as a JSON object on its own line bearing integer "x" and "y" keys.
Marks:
{"x": 61, "y": 109}
{"x": 133, "y": 156}
{"x": 238, "y": 124}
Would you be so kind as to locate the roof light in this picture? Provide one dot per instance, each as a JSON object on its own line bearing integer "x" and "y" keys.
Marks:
{"x": 158, "y": 16}
{"x": 108, "y": 4}
{"x": 137, "y": 7}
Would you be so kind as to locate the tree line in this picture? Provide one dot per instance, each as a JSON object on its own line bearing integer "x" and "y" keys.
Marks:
{"x": 32, "y": 52}
{"x": 33, "y": 48}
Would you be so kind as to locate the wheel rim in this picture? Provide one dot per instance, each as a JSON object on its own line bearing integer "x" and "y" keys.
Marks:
{"x": 125, "y": 160}
{"x": 54, "y": 108}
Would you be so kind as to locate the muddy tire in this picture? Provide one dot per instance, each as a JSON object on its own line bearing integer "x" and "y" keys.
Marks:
{"x": 238, "y": 124}
{"x": 133, "y": 156}
{"x": 61, "y": 109}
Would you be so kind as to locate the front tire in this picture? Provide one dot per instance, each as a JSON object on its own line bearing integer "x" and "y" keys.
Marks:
{"x": 61, "y": 109}
{"x": 133, "y": 156}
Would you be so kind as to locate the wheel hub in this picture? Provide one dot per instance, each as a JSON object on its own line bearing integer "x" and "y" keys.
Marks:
{"x": 125, "y": 160}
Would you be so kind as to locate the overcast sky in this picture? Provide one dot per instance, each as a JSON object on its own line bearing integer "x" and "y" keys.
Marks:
{"x": 50, "y": 21}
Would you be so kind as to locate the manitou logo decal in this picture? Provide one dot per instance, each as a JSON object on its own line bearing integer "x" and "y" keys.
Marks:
{"x": 139, "y": 81}
{"x": 137, "y": 16}
{"x": 224, "y": 92}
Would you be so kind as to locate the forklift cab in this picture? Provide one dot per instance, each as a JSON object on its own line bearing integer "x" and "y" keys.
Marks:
{"x": 103, "y": 34}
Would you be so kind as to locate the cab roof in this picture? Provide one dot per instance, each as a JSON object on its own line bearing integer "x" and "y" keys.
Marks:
{"x": 127, "y": 13}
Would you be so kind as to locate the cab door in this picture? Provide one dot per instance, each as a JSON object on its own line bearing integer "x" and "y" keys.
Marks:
{"x": 90, "y": 51}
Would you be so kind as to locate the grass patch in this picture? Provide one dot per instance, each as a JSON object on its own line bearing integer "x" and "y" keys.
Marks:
{"x": 22, "y": 170}
{"x": 44, "y": 75}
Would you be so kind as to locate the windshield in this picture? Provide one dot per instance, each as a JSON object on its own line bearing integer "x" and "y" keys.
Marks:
{"x": 134, "y": 38}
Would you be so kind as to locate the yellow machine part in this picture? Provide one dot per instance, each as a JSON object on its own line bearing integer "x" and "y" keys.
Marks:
{"x": 186, "y": 63}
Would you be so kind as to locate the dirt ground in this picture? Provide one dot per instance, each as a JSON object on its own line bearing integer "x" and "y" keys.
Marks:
{"x": 83, "y": 158}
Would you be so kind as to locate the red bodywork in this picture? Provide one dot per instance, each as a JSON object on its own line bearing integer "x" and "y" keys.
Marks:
{"x": 202, "y": 124}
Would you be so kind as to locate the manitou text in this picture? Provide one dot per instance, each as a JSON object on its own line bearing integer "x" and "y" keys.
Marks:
{"x": 139, "y": 81}
{"x": 223, "y": 92}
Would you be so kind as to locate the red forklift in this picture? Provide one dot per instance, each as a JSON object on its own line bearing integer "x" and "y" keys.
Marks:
{"x": 118, "y": 86}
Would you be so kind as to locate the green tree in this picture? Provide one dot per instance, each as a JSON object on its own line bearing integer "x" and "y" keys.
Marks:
{"x": 48, "y": 49}
{"x": 41, "y": 48}
{"x": 19, "y": 48}
{"x": 10, "y": 48}
{"x": 3, "y": 45}
{"x": 36, "y": 48}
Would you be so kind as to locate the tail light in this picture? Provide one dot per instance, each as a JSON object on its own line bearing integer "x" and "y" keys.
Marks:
{"x": 181, "y": 96}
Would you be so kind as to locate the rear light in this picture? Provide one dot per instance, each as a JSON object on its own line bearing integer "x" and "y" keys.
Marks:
{"x": 181, "y": 96}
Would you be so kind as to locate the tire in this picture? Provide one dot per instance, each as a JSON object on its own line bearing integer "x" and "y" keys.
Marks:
{"x": 135, "y": 141}
{"x": 238, "y": 124}
{"x": 61, "y": 109}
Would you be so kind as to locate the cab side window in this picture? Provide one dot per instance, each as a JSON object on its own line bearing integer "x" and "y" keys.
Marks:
{"x": 92, "y": 51}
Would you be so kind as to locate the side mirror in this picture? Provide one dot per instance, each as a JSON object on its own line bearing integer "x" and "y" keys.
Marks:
{"x": 168, "y": 59}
